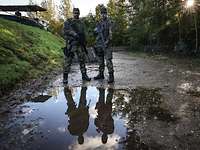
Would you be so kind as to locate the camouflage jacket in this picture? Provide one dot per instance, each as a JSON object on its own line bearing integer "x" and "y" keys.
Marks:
{"x": 73, "y": 28}
{"x": 103, "y": 30}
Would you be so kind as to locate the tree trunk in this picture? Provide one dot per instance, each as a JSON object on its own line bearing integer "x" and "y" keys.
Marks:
{"x": 196, "y": 32}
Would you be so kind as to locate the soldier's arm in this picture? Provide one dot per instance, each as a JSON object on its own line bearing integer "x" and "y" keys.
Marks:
{"x": 110, "y": 29}
{"x": 109, "y": 38}
{"x": 84, "y": 32}
{"x": 68, "y": 31}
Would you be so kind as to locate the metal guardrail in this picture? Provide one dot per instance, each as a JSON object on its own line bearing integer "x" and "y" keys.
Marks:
{"x": 24, "y": 8}
{"x": 23, "y": 20}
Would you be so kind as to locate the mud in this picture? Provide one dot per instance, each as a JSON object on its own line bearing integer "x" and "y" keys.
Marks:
{"x": 153, "y": 104}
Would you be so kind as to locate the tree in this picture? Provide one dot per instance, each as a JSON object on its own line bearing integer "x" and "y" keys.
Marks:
{"x": 149, "y": 21}
{"x": 98, "y": 11}
{"x": 48, "y": 15}
{"x": 90, "y": 23}
{"x": 55, "y": 25}
{"x": 65, "y": 9}
{"x": 31, "y": 14}
{"x": 118, "y": 14}
{"x": 164, "y": 22}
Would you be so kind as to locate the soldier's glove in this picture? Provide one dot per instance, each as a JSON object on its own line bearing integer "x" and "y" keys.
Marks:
{"x": 107, "y": 42}
{"x": 95, "y": 32}
{"x": 75, "y": 36}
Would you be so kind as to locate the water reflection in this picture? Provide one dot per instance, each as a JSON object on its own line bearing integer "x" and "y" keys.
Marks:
{"x": 143, "y": 104}
{"x": 40, "y": 98}
{"x": 104, "y": 121}
{"x": 97, "y": 118}
{"x": 136, "y": 106}
{"x": 78, "y": 115}
{"x": 143, "y": 108}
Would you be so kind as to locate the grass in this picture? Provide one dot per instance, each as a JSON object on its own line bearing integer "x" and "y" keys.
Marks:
{"x": 26, "y": 52}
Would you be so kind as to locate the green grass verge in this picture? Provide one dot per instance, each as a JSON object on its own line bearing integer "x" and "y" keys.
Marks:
{"x": 26, "y": 52}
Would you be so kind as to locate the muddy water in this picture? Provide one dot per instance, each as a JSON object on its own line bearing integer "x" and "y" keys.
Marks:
{"x": 95, "y": 118}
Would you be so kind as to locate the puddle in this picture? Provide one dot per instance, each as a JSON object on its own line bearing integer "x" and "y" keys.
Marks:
{"x": 91, "y": 118}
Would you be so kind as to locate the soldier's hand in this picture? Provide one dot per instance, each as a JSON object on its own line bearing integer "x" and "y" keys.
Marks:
{"x": 76, "y": 36}
{"x": 107, "y": 42}
{"x": 110, "y": 38}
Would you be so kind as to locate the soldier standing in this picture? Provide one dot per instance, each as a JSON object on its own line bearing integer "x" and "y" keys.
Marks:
{"x": 75, "y": 40}
{"x": 104, "y": 36}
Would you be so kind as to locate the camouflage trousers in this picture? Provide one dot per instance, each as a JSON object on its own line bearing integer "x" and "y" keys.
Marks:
{"x": 102, "y": 56}
{"x": 81, "y": 57}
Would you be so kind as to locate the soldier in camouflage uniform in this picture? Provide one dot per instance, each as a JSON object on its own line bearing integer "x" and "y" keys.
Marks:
{"x": 75, "y": 38}
{"x": 78, "y": 115}
{"x": 104, "y": 121}
{"x": 104, "y": 35}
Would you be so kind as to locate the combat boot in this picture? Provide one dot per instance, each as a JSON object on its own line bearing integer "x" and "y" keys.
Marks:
{"x": 85, "y": 77}
{"x": 111, "y": 77}
{"x": 99, "y": 76}
{"x": 65, "y": 78}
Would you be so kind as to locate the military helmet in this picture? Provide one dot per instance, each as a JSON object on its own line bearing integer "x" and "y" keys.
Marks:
{"x": 103, "y": 10}
{"x": 76, "y": 11}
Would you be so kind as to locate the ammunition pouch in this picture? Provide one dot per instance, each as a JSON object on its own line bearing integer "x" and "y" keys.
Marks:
{"x": 67, "y": 51}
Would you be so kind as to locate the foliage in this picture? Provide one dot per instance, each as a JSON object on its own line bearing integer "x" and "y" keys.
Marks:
{"x": 65, "y": 9}
{"x": 165, "y": 22}
{"x": 118, "y": 15}
{"x": 55, "y": 23}
{"x": 31, "y": 14}
{"x": 50, "y": 13}
{"x": 26, "y": 52}
{"x": 89, "y": 22}
{"x": 159, "y": 25}
{"x": 98, "y": 10}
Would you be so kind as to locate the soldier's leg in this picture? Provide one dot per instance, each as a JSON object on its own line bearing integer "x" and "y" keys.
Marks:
{"x": 101, "y": 95}
{"x": 101, "y": 100}
{"x": 83, "y": 69}
{"x": 109, "y": 96}
{"x": 101, "y": 66}
{"x": 109, "y": 64}
{"x": 70, "y": 102}
{"x": 66, "y": 69}
{"x": 83, "y": 101}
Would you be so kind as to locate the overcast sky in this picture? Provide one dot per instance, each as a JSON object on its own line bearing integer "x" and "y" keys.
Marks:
{"x": 85, "y": 5}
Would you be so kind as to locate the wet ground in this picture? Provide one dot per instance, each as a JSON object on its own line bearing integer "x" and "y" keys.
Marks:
{"x": 153, "y": 104}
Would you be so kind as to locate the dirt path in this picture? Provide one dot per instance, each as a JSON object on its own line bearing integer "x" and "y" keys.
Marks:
{"x": 164, "y": 96}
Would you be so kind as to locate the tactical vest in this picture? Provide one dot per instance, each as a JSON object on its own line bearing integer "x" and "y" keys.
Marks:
{"x": 76, "y": 25}
{"x": 105, "y": 26}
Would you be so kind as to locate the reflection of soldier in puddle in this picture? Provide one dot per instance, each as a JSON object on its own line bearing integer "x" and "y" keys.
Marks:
{"x": 78, "y": 116}
{"x": 104, "y": 121}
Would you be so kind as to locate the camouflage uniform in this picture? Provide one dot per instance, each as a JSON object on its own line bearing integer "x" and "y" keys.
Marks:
{"x": 73, "y": 29}
{"x": 104, "y": 121}
{"x": 102, "y": 49}
{"x": 78, "y": 116}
